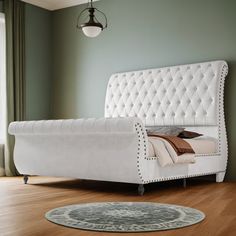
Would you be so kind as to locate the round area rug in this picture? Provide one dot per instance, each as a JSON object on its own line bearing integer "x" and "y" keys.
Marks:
{"x": 125, "y": 216}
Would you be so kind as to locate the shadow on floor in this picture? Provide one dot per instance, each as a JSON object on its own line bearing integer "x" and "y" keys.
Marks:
{"x": 125, "y": 188}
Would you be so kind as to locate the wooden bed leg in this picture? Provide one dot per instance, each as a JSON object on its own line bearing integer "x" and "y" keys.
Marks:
{"x": 141, "y": 189}
{"x": 184, "y": 182}
{"x": 26, "y": 177}
{"x": 220, "y": 177}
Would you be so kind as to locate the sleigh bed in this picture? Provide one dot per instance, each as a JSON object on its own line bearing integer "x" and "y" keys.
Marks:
{"x": 116, "y": 148}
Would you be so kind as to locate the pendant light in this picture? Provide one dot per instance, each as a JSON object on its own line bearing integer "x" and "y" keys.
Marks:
{"x": 92, "y": 28}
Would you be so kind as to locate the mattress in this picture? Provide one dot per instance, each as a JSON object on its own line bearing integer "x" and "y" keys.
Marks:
{"x": 200, "y": 145}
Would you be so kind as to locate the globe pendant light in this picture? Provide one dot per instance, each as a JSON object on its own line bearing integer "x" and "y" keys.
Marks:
{"x": 93, "y": 27}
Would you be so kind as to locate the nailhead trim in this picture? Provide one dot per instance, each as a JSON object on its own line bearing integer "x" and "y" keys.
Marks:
{"x": 197, "y": 155}
{"x": 208, "y": 155}
{"x": 152, "y": 158}
{"x": 224, "y": 72}
{"x": 141, "y": 134}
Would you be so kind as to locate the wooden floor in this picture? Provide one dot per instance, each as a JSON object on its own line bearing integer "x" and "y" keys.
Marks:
{"x": 22, "y": 207}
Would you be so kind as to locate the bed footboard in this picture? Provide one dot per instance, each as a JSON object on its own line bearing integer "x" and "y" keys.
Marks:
{"x": 98, "y": 149}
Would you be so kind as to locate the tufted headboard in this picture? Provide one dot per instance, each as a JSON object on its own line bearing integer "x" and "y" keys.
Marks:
{"x": 190, "y": 95}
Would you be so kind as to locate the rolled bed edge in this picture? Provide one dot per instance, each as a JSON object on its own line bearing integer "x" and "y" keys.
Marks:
{"x": 74, "y": 126}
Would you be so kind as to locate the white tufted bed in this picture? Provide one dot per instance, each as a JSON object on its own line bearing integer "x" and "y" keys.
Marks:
{"x": 114, "y": 148}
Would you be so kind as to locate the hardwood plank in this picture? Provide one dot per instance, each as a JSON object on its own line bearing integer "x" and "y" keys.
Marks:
{"x": 23, "y": 206}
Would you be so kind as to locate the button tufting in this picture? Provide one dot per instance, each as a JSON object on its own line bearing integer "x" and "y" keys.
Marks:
{"x": 161, "y": 94}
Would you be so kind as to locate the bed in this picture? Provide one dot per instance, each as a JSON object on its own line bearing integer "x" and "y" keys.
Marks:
{"x": 116, "y": 147}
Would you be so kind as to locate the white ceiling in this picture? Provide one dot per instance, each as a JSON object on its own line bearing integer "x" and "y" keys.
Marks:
{"x": 55, "y": 4}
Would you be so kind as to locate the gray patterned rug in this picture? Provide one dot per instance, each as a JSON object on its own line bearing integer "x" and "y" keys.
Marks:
{"x": 125, "y": 216}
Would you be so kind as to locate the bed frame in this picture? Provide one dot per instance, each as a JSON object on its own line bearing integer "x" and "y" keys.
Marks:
{"x": 114, "y": 148}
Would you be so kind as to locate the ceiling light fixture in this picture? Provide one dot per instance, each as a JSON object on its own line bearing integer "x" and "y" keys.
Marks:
{"x": 93, "y": 27}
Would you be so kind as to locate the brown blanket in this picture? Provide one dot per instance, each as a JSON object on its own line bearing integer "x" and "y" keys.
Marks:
{"x": 180, "y": 146}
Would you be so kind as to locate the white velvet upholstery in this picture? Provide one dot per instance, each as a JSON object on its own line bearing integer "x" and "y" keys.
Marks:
{"x": 179, "y": 95}
{"x": 101, "y": 149}
{"x": 80, "y": 126}
{"x": 114, "y": 148}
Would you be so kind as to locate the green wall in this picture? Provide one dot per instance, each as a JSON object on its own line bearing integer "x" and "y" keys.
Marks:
{"x": 38, "y": 56}
{"x": 1, "y": 6}
{"x": 141, "y": 34}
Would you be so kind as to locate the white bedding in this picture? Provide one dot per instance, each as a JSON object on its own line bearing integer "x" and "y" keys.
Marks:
{"x": 203, "y": 145}
{"x": 158, "y": 147}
